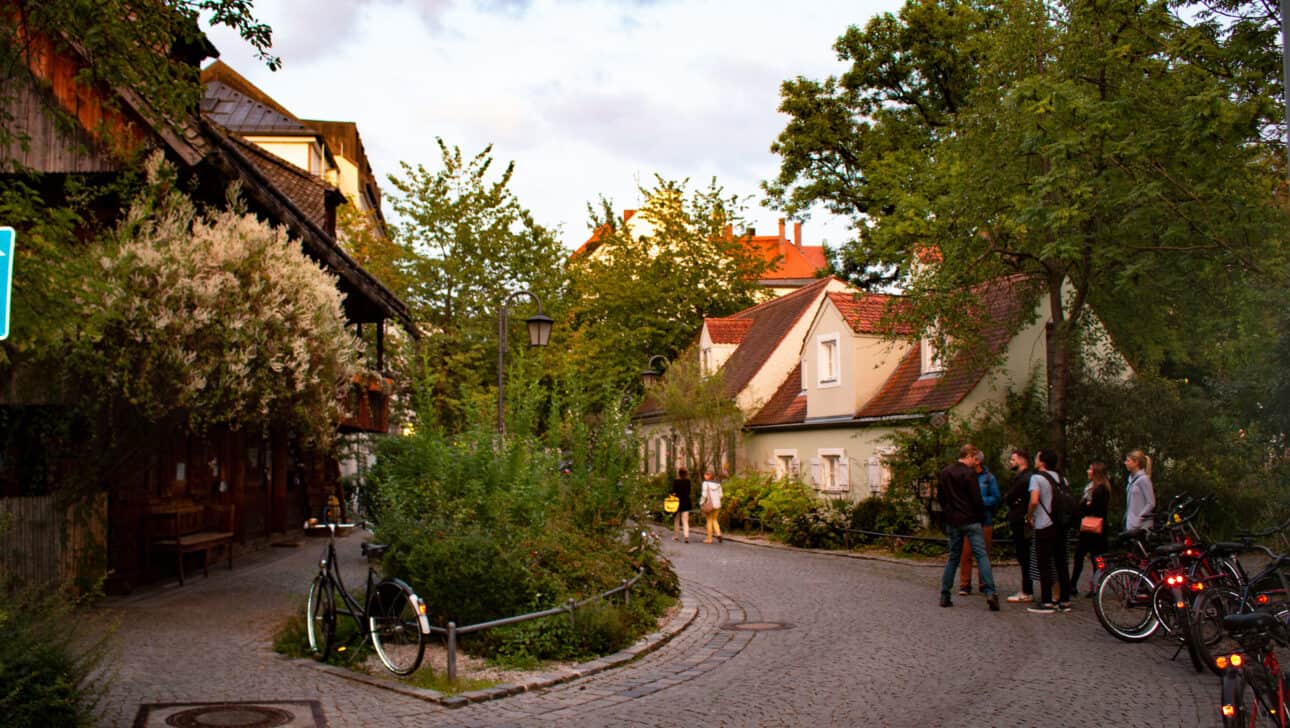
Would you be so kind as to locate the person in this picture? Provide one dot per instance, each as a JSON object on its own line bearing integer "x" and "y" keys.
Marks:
{"x": 1050, "y": 549}
{"x": 1017, "y": 500}
{"x": 990, "y": 499}
{"x": 1139, "y": 492}
{"x": 1094, "y": 504}
{"x": 681, "y": 519}
{"x": 959, "y": 493}
{"x": 711, "y": 492}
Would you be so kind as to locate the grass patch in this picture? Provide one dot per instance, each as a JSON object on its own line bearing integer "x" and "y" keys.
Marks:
{"x": 348, "y": 650}
{"x": 437, "y": 681}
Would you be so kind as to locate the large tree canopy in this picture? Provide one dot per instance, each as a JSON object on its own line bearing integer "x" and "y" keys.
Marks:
{"x": 1096, "y": 146}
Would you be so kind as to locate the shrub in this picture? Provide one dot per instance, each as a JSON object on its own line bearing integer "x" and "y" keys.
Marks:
{"x": 43, "y": 679}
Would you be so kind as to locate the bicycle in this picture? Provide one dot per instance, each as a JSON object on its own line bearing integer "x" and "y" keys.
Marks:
{"x": 1254, "y": 686}
{"x": 392, "y": 615}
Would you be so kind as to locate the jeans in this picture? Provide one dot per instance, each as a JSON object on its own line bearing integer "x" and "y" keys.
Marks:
{"x": 975, "y": 537}
{"x": 965, "y": 566}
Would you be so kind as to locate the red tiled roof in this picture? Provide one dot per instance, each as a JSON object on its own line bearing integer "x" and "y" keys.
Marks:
{"x": 788, "y": 404}
{"x": 308, "y": 192}
{"x": 727, "y": 330}
{"x": 907, "y": 392}
{"x": 864, "y": 312}
{"x": 790, "y": 262}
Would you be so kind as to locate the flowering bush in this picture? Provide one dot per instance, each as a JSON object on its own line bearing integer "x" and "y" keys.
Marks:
{"x": 219, "y": 318}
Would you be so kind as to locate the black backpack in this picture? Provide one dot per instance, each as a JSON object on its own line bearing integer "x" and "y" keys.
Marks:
{"x": 1065, "y": 512}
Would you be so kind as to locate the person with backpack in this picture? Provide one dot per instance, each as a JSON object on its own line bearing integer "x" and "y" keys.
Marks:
{"x": 1048, "y": 515}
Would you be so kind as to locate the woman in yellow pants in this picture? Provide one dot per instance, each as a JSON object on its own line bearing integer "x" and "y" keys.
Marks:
{"x": 711, "y": 496}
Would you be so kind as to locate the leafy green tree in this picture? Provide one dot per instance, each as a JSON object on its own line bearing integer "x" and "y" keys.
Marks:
{"x": 707, "y": 422}
{"x": 648, "y": 286}
{"x": 1090, "y": 146}
{"x": 467, "y": 243}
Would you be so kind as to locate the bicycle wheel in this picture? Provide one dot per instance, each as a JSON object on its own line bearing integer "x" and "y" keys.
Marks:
{"x": 1123, "y": 604}
{"x": 1207, "y": 633}
{"x": 320, "y": 616}
{"x": 1243, "y": 706}
{"x": 395, "y": 624}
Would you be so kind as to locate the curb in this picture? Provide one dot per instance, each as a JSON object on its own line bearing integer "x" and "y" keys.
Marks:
{"x": 682, "y": 619}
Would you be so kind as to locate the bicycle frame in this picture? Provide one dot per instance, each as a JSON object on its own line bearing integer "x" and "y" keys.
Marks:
{"x": 353, "y": 609}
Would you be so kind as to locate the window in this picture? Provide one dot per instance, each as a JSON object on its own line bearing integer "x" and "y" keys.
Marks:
{"x": 931, "y": 364}
{"x": 831, "y": 470}
{"x": 879, "y": 472}
{"x": 829, "y": 364}
{"x": 785, "y": 462}
{"x": 706, "y": 363}
{"x": 803, "y": 374}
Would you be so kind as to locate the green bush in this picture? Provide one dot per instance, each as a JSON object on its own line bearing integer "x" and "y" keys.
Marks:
{"x": 43, "y": 679}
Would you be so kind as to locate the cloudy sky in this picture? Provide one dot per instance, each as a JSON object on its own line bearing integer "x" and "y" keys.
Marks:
{"x": 588, "y": 97}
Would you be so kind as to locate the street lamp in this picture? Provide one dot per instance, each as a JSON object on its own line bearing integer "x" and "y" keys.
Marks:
{"x": 539, "y": 335}
{"x": 650, "y": 376}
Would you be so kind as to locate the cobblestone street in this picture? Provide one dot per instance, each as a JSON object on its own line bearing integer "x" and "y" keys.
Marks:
{"x": 865, "y": 644}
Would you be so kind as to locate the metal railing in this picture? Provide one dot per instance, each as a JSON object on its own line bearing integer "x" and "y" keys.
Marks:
{"x": 452, "y": 631}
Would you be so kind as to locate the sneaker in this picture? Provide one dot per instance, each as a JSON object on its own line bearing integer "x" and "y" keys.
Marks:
{"x": 1020, "y": 598}
{"x": 1043, "y": 609}
{"x": 945, "y": 601}
{"x": 965, "y": 591}
{"x": 993, "y": 602}
{"x": 1063, "y": 606}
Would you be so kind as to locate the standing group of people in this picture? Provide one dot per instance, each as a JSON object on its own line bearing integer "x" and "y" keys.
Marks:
{"x": 969, "y": 494}
{"x": 709, "y": 505}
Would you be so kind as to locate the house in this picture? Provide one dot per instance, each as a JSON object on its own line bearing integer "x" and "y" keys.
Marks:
{"x": 792, "y": 265}
{"x": 267, "y": 485}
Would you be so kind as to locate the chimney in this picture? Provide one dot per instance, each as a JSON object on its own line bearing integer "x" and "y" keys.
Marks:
{"x": 797, "y": 235}
{"x": 781, "y": 229}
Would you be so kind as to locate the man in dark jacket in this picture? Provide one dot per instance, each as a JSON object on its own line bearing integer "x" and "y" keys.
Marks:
{"x": 963, "y": 510}
{"x": 1017, "y": 499}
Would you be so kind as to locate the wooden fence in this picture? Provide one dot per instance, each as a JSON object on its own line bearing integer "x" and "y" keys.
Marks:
{"x": 43, "y": 540}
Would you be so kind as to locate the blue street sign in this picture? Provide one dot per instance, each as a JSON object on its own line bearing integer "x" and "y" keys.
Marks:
{"x": 6, "y": 277}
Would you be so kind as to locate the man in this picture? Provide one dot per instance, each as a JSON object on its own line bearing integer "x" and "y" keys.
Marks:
{"x": 1050, "y": 539}
{"x": 990, "y": 499}
{"x": 959, "y": 493}
{"x": 1018, "y": 500}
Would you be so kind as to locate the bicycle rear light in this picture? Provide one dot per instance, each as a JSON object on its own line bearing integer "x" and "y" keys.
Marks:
{"x": 1175, "y": 579}
{"x": 1099, "y": 562}
{"x": 1261, "y": 599}
{"x": 1191, "y": 553}
{"x": 1221, "y": 662}
{"x": 1236, "y": 660}
{"x": 1229, "y": 711}
{"x": 1197, "y": 586}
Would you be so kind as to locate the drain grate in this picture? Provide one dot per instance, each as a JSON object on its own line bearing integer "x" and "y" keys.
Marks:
{"x": 756, "y": 626}
{"x": 270, "y": 714}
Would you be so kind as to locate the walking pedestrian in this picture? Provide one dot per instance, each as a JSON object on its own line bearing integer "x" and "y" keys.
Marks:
{"x": 959, "y": 492}
{"x": 1017, "y": 499}
{"x": 710, "y": 505}
{"x": 1092, "y": 529}
{"x": 1139, "y": 492}
{"x": 681, "y": 519}
{"x": 990, "y": 499}
{"x": 1050, "y": 547}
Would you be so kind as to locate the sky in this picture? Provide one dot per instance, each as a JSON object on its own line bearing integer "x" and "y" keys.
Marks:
{"x": 589, "y": 98}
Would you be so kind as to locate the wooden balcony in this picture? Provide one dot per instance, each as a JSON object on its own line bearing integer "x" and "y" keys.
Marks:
{"x": 366, "y": 404}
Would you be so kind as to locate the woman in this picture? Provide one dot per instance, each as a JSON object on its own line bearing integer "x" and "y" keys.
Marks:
{"x": 711, "y": 494}
{"x": 681, "y": 519}
{"x": 1139, "y": 492}
{"x": 1092, "y": 534}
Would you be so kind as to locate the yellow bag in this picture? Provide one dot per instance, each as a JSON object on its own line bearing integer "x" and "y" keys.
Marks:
{"x": 671, "y": 504}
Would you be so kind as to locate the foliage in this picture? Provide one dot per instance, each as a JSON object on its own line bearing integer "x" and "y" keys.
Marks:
{"x": 486, "y": 527}
{"x": 44, "y": 677}
{"x": 218, "y": 318}
{"x": 465, "y": 243}
{"x": 134, "y": 44}
{"x": 1102, "y": 150}
{"x": 649, "y": 284}
{"x": 762, "y": 501}
{"x": 696, "y": 406}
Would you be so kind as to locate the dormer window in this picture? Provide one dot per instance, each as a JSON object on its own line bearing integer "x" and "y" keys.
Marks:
{"x": 804, "y": 380}
{"x": 830, "y": 364}
{"x": 706, "y": 361}
{"x": 932, "y": 364}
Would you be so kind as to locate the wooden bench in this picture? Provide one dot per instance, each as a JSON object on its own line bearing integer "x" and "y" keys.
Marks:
{"x": 185, "y": 528}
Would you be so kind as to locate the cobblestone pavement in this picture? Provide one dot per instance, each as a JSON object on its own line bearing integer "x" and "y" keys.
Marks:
{"x": 866, "y": 644}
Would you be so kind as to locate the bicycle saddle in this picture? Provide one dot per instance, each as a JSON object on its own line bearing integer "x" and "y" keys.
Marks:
{"x": 1170, "y": 549}
{"x": 1252, "y": 621}
{"x": 1228, "y": 548}
{"x": 375, "y": 550}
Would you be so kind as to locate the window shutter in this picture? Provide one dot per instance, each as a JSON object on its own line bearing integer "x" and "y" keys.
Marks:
{"x": 844, "y": 473}
{"x": 815, "y": 471}
{"x": 797, "y": 467}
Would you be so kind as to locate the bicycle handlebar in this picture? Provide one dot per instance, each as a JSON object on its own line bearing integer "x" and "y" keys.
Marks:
{"x": 1251, "y": 535}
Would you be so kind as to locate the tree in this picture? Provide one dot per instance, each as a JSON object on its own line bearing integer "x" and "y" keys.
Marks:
{"x": 706, "y": 420}
{"x": 1090, "y": 146}
{"x": 648, "y": 286}
{"x": 467, "y": 242}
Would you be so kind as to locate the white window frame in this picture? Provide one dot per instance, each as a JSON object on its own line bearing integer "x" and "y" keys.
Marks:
{"x": 705, "y": 365}
{"x": 931, "y": 363}
{"x": 834, "y": 471}
{"x": 786, "y": 463}
{"x": 829, "y": 376}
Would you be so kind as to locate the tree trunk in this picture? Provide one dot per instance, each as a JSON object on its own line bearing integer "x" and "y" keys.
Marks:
{"x": 1057, "y": 344}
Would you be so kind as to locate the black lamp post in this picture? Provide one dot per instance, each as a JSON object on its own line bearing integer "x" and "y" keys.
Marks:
{"x": 650, "y": 376}
{"x": 539, "y": 335}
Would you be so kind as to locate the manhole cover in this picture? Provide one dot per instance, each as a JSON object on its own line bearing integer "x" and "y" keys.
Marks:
{"x": 756, "y": 626}
{"x": 231, "y": 716}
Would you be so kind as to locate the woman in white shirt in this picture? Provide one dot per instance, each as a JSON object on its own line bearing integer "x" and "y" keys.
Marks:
{"x": 1140, "y": 492}
{"x": 711, "y": 494}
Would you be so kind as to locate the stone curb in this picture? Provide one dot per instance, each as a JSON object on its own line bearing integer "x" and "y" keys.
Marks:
{"x": 682, "y": 619}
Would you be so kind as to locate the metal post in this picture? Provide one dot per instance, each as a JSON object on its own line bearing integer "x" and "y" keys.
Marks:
{"x": 569, "y": 605}
{"x": 502, "y": 321}
{"x": 627, "y": 594}
{"x": 452, "y": 652}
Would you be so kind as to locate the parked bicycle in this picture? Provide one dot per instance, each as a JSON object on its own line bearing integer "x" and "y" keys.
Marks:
{"x": 1254, "y": 685}
{"x": 391, "y": 615}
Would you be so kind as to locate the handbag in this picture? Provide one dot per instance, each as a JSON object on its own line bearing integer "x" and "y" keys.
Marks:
{"x": 671, "y": 504}
{"x": 706, "y": 506}
{"x": 1090, "y": 524}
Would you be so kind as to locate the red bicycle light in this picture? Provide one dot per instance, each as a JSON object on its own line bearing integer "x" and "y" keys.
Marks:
{"x": 1099, "y": 562}
{"x": 1197, "y": 586}
{"x": 1229, "y": 711}
{"x": 1237, "y": 660}
{"x": 1180, "y": 605}
{"x": 1261, "y": 599}
{"x": 1221, "y": 661}
{"x": 1193, "y": 553}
